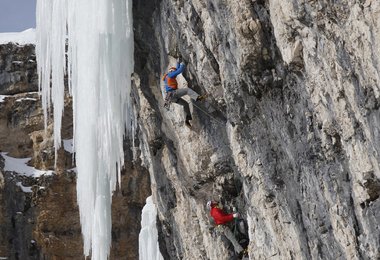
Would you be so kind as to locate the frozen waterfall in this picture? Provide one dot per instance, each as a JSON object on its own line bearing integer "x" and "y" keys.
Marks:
{"x": 148, "y": 237}
{"x": 92, "y": 42}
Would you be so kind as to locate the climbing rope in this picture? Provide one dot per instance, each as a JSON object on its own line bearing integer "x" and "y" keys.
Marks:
{"x": 216, "y": 120}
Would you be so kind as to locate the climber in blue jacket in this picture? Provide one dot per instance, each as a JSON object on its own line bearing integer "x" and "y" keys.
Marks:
{"x": 175, "y": 94}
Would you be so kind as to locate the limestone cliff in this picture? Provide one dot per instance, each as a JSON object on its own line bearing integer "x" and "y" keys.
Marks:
{"x": 298, "y": 84}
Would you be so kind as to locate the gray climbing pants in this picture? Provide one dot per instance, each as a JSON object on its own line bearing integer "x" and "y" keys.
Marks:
{"x": 185, "y": 91}
{"x": 177, "y": 98}
{"x": 226, "y": 231}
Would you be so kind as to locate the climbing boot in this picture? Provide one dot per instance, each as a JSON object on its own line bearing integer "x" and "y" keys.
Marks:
{"x": 187, "y": 121}
{"x": 243, "y": 254}
{"x": 201, "y": 97}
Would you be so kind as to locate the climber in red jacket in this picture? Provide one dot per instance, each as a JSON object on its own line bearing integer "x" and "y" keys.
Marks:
{"x": 221, "y": 219}
{"x": 219, "y": 216}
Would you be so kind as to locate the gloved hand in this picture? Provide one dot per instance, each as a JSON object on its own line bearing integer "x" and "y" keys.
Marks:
{"x": 179, "y": 59}
{"x": 235, "y": 215}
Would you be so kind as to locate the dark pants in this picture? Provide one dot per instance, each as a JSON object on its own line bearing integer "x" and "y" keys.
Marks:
{"x": 186, "y": 108}
{"x": 226, "y": 231}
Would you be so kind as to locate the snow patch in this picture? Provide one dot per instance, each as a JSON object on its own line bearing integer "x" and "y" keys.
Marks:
{"x": 25, "y": 37}
{"x": 24, "y": 188}
{"x": 22, "y": 99}
{"x": 20, "y": 166}
{"x": 2, "y": 97}
{"x": 73, "y": 170}
{"x": 68, "y": 145}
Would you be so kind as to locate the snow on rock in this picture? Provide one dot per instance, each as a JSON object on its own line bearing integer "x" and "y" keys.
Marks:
{"x": 24, "y": 188}
{"x": 148, "y": 238}
{"x": 25, "y": 37}
{"x": 20, "y": 166}
{"x": 68, "y": 145}
{"x": 2, "y": 97}
{"x": 27, "y": 98}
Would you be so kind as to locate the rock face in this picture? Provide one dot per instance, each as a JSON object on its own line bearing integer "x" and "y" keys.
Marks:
{"x": 39, "y": 218}
{"x": 298, "y": 84}
{"x": 18, "y": 69}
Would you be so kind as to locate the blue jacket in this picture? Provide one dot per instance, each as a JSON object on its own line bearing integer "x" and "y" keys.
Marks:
{"x": 179, "y": 69}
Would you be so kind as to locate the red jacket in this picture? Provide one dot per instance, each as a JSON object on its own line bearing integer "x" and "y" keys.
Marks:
{"x": 219, "y": 216}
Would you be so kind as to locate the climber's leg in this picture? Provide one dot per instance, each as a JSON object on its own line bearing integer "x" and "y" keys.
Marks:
{"x": 186, "y": 91}
{"x": 228, "y": 234}
{"x": 186, "y": 110}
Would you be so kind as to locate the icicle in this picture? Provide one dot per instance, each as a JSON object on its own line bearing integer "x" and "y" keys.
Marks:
{"x": 148, "y": 237}
{"x": 99, "y": 35}
{"x": 43, "y": 16}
